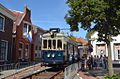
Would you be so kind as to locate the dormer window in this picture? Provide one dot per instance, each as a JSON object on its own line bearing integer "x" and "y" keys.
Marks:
{"x": 26, "y": 29}
{"x": 1, "y": 23}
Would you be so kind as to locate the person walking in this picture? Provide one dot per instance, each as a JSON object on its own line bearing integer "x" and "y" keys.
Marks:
{"x": 89, "y": 63}
{"x": 98, "y": 62}
{"x": 105, "y": 61}
{"x": 83, "y": 63}
{"x": 102, "y": 61}
{"x": 95, "y": 62}
{"x": 92, "y": 62}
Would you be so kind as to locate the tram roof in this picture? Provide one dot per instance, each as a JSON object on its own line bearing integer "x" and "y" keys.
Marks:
{"x": 45, "y": 35}
{"x": 59, "y": 35}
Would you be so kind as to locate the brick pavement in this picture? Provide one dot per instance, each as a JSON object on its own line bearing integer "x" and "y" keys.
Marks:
{"x": 95, "y": 73}
{"x": 91, "y": 74}
{"x": 86, "y": 75}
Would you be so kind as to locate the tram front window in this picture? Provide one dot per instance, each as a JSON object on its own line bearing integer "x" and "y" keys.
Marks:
{"x": 54, "y": 44}
{"x": 45, "y": 44}
{"x": 49, "y": 44}
{"x": 59, "y": 45}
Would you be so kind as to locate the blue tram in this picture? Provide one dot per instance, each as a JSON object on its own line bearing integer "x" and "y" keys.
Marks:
{"x": 58, "y": 49}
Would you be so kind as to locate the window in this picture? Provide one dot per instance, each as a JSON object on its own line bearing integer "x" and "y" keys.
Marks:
{"x": 49, "y": 44}
{"x": 29, "y": 28}
{"x": 118, "y": 54}
{"x": 1, "y": 23}
{"x": 26, "y": 29}
{"x": 20, "y": 50}
{"x": 3, "y": 50}
{"x": 26, "y": 51}
{"x": 44, "y": 43}
{"x": 39, "y": 47}
{"x": 36, "y": 47}
{"x": 70, "y": 48}
{"x": 59, "y": 45}
{"x": 54, "y": 44}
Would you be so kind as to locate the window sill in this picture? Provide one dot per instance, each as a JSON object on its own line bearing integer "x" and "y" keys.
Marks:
{"x": 2, "y": 30}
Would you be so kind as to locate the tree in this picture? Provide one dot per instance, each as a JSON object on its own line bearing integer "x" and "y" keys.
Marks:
{"x": 89, "y": 34}
{"x": 105, "y": 14}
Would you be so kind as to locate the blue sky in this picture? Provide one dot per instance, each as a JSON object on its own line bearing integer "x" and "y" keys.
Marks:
{"x": 45, "y": 13}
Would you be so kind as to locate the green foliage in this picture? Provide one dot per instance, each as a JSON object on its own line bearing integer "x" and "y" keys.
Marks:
{"x": 114, "y": 76}
{"x": 104, "y": 13}
{"x": 89, "y": 34}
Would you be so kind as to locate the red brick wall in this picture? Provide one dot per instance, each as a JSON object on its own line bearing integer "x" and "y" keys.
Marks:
{"x": 20, "y": 38}
{"x": 8, "y": 26}
{"x": 7, "y": 35}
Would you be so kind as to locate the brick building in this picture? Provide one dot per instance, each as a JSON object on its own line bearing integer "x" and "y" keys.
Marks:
{"x": 6, "y": 25}
{"x": 23, "y": 49}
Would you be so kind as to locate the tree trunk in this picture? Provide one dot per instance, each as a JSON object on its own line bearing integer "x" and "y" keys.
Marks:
{"x": 110, "y": 66}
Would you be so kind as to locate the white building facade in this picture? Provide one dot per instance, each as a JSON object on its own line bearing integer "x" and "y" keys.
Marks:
{"x": 100, "y": 48}
{"x": 38, "y": 42}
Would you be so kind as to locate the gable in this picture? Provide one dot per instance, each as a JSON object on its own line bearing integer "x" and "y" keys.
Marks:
{"x": 7, "y": 12}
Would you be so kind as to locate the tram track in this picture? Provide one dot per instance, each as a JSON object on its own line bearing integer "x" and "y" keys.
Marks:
{"x": 52, "y": 73}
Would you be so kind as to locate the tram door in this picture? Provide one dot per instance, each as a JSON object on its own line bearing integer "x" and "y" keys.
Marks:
{"x": 117, "y": 51}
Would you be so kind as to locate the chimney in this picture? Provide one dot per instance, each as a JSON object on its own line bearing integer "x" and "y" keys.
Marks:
{"x": 27, "y": 11}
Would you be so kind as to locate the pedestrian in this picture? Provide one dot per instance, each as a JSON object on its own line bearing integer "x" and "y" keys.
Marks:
{"x": 105, "y": 61}
{"x": 95, "y": 62}
{"x": 89, "y": 63}
{"x": 98, "y": 62}
{"x": 92, "y": 61}
{"x": 83, "y": 63}
{"x": 102, "y": 61}
{"x": 73, "y": 58}
{"x": 70, "y": 58}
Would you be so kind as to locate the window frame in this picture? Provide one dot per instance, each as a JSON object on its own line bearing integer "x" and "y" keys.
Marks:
{"x": 54, "y": 44}
{"x": 49, "y": 44}
{"x": 29, "y": 25}
{"x": 27, "y": 52}
{"x": 59, "y": 44}
{"x": 116, "y": 51}
{"x": 21, "y": 50}
{"x": 118, "y": 54}
{"x": 3, "y": 28}
{"x": 43, "y": 44}
{"x": 5, "y": 59}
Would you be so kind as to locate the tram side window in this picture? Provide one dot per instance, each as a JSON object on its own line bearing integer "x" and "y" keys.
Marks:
{"x": 59, "y": 45}
{"x": 49, "y": 44}
{"x": 54, "y": 44}
{"x": 45, "y": 44}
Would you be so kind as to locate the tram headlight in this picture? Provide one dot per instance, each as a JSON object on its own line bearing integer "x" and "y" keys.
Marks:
{"x": 59, "y": 54}
{"x": 53, "y": 55}
{"x": 48, "y": 55}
